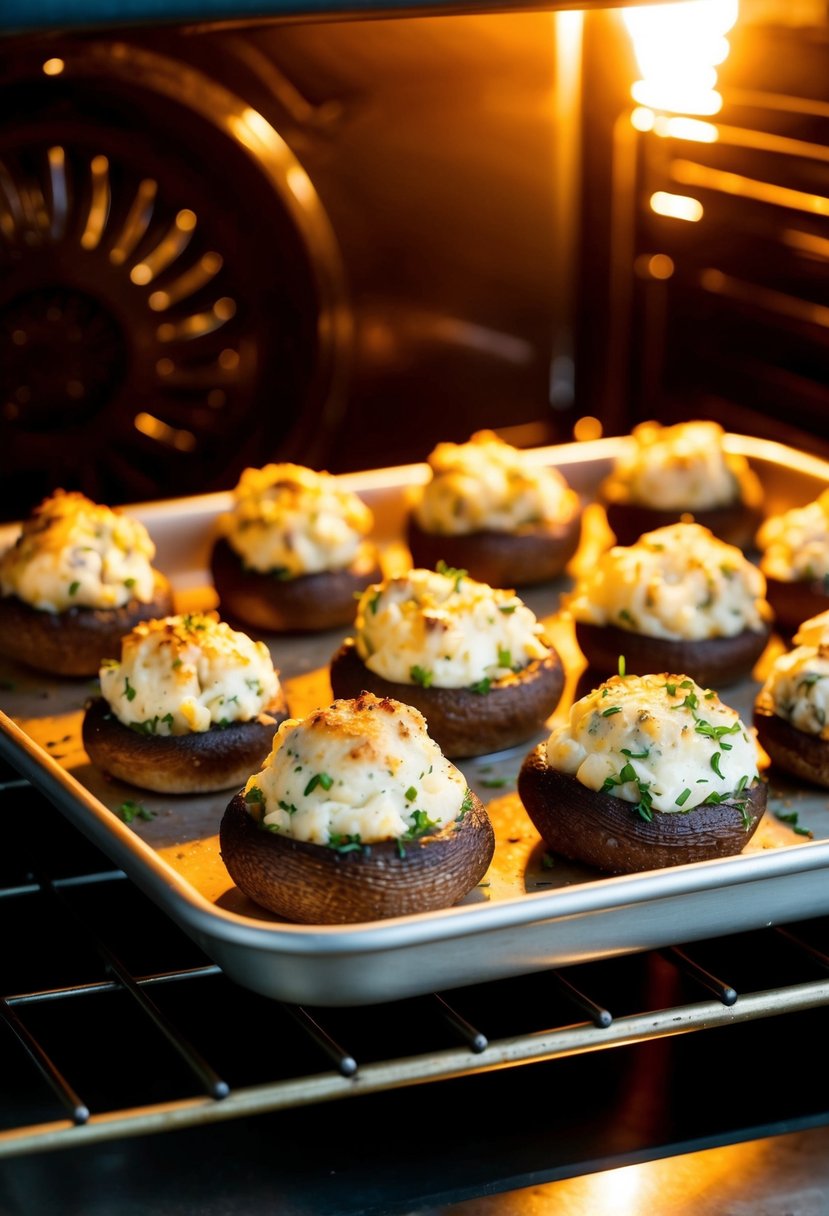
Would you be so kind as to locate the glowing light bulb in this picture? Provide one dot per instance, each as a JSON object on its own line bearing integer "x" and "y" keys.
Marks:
{"x": 678, "y": 48}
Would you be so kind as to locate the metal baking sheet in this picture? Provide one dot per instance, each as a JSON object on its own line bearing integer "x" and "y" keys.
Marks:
{"x": 532, "y": 911}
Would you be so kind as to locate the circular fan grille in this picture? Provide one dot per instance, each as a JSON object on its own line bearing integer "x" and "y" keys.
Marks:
{"x": 161, "y": 310}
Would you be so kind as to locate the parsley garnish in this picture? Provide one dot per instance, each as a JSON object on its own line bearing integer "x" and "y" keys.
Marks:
{"x": 345, "y": 844}
{"x": 318, "y": 779}
{"x": 507, "y": 608}
{"x": 421, "y": 824}
{"x": 504, "y": 657}
{"x": 373, "y": 602}
{"x": 411, "y": 794}
{"x": 467, "y": 803}
{"x": 73, "y": 587}
{"x": 254, "y": 795}
{"x": 481, "y": 686}
{"x": 130, "y": 810}
{"x": 451, "y": 572}
{"x": 421, "y": 676}
{"x": 129, "y": 691}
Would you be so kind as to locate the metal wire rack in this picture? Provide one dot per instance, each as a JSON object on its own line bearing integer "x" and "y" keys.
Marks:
{"x": 89, "y": 960}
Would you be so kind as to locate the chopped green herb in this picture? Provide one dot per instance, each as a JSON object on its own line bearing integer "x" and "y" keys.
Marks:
{"x": 622, "y": 666}
{"x": 129, "y": 691}
{"x": 322, "y": 779}
{"x": 255, "y": 796}
{"x": 504, "y": 657}
{"x": 451, "y": 572}
{"x": 635, "y": 755}
{"x": 467, "y": 803}
{"x": 683, "y": 797}
{"x": 130, "y": 810}
{"x": 129, "y": 583}
{"x": 345, "y": 844}
{"x": 507, "y": 608}
{"x": 481, "y": 686}
{"x": 73, "y": 587}
{"x": 421, "y": 676}
{"x": 715, "y": 764}
{"x": 614, "y": 709}
{"x": 411, "y": 794}
{"x": 287, "y": 806}
{"x": 624, "y": 615}
{"x": 373, "y": 602}
{"x": 421, "y": 824}
{"x": 670, "y": 689}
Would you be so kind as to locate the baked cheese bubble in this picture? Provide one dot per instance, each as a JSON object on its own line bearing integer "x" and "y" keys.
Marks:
{"x": 355, "y": 773}
{"x": 441, "y": 628}
{"x": 488, "y": 485}
{"x": 659, "y": 741}
{"x": 679, "y": 581}
{"x": 795, "y": 544}
{"x": 72, "y": 552}
{"x": 186, "y": 673}
{"x": 289, "y": 520}
{"x": 683, "y": 467}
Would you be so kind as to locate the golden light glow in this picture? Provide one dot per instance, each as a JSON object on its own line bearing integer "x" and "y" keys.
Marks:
{"x": 690, "y": 174}
{"x": 692, "y": 129}
{"x": 643, "y": 118}
{"x": 678, "y": 48}
{"x": 154, "y": 428}
{"x": 676, "y": 206}
{"x": 765, "y": 297}
{"x": 53, "y": 67}
{"x": 587, "y": 428}
{"x": 654, "y": 266}
{"x": 807, "y": 243}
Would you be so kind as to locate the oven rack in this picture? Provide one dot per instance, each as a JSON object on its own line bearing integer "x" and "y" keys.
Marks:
{"x": 92, "y": 958}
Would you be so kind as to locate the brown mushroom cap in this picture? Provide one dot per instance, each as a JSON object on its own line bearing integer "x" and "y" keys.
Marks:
{"x": 736, "y": 523}
{"x": 76, "y": 641}
{"x": 535, "y": 554}
{"x": 606, "y": 832}
{"x": 708, "y": 661}
{"x": 462, "y": 722}
{"x": 314, "y": 884}
{"x": 309, "y": 603}
{"x": 795, "y": 751}
{"x": 198, "y": 763}
{"x": 795, "y": 602}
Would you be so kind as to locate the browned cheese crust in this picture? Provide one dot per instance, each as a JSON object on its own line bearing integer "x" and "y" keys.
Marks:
{"x": 736, "y": 523}
{"x": 793, "y": 603}
{"x": 220, "y": 758}
{"x": 310, "y": 603}
{"x": 606, "y": 832}
{"x": 502, "y": 559}
{"x": 792, "y": 750}
{"x": 74, "y": 642}
{"x": 712, "y": 662}
{"x": 314, "y": 884}
{"x": 462, "y": 722}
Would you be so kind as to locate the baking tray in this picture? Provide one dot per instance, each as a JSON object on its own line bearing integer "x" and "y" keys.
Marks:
{"x": 531, "y": 911}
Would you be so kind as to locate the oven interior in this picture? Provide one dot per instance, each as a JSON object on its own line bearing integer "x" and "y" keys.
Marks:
{"x": 344, "y": 280}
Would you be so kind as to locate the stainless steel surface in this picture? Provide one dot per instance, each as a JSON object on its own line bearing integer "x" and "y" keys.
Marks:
{"x": 525, "y": 917}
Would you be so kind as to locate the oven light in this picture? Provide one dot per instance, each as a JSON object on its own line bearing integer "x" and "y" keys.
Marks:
{"x": 676, "y": 206}
{"x": 53, "y": 67}
{"x": 678, "y": 48}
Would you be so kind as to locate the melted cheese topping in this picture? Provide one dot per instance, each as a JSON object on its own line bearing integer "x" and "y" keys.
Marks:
{"x": 797, "y": 687}
{"x": 73, "y": 553}
{"x": 659, "y": 741}
{"x": 182, "y": 674}
{"x": 445, "y": 630}
{"x": 288, "y": 520}
{"x": 795, "y": 544}
{"x": 358, "y": 772}
{"x": 679, "y": 468}
{"x": 486, "y": 484}
{"x": 814, "y": 631}
{"x": 675, "y": 582}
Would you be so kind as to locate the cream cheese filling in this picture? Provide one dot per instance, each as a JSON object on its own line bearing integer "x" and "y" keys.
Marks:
{"x": 288, "y": 520}
{"x": 185, "y": 673}
{"x": 71, "y": 552}
{"x": 679, "y": 581}
{"x": 356, "y": 773}
{"x": 798, "y": 687}
{"x": 446, "y": 630}
{"x": 795, "y": 544}
{"x": 488, "y": 485}
{"x": 659, "y": 741}
{"x": 678, "y": 468}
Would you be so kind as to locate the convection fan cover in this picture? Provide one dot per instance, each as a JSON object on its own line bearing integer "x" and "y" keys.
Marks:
{"x": 171, "y": 298}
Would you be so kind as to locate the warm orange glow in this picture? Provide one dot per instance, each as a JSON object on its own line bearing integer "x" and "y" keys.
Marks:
{"x": 676, "y": 206}
{"x": 53, "y": 67}
{"x": 678, "y": 48}
{"x": 692, "y": 129}
{"x": 587, "y": 428}
{"x": 642, "y": 119}
{"x": 807, "y": 243}
{"x": 654, "y": 266}
{"x": 690, "y": 174}
{"x": 154, "y": 428}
